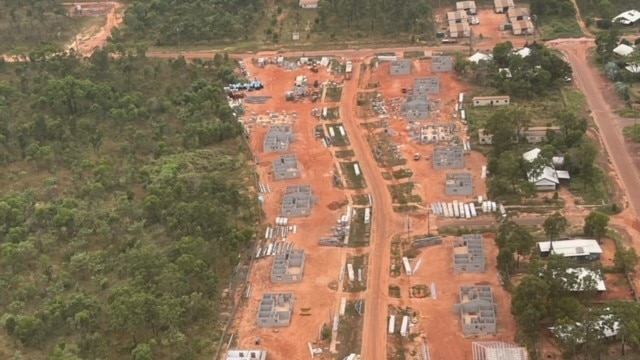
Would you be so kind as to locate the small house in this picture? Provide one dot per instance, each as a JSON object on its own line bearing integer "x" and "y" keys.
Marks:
{"x": 502, "y": 6}
{"x": 517, "y": 13}
{"x": 458, "y": 16}
{"x": 477, "y": 57}
{"x": 623, "y": 50}
{"x": 522, "y": 27}
{"x": 459, "y": 30}
{"x": 538, "y": 134}
{"x": 308, "y": 4}
{"x": 627, "y": 18}
{"x": 499, "y": 100}
{"x": 467, "y": 6}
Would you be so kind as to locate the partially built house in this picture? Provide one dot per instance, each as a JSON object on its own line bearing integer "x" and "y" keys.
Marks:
{"x": 468, "y": 254}
{"x": 275, "y": 310}
{"x": 246, "y": 355}
{"x": 278, "y": 138}
{"x": 477, "y": 310}
{"x": 495, "y": 350}
{"x": 448, "y": 157}
{"x": 426, "y": 85}
{"x": 458, "y": 184}
{"x": 288, "y": 267}
{"x": 286, "y": 167}
{"x": 400, "y": 67}
{"x": 297, "y": 201}
{"x": 441, "y": 63}
{"x": 436, "y": 133}
{"x": 416, "y": 107}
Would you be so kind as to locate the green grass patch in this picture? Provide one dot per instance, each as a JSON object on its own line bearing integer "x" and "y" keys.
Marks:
{"x": 385, "y": 151}
{"x": 333, "y": 113}
{"x": 354, "y": 181}
{"x": 628, "y": 113}
{"x": 402, "y": 174}
{"x": 359, "y": 233}
{"x": 344, "y": 154}
{"x": 596, "y": 190}
{"x": 574, "y": 100}
{"x": 333, "y": 93}
{"x": 338, "y": 140}
{"x": 358, "y": 262}
{"x": 632, "y": 133}
{"x": 554, "y": 28}
{"x": 402, "y": 193}
{"x": 394, "y": 291}
{"x": 360, "y": 199}
{"x": 350, "y": 331}
{"x": 413, "y": 54}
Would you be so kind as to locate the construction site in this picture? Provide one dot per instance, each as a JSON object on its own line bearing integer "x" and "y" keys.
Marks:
{"x": 313, "y": 150}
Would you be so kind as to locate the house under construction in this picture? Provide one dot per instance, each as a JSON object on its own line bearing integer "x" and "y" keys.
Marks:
{"x": 286, "y": 167}
{"x": 288, "y": 267}
{"x": 278, "y": 138}
{"x": 477, "y": 310}
{"x": 297, "y": 201}
{"x": 495, "y": 350}
{"x": 275, "y": 310}
{"x": 468, "y": 254}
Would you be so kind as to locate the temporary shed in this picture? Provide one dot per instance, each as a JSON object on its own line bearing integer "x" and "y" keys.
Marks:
{"x": 499, "y": 100}
{"x": 586, "y": 249}
{"x": 531, "y": 154}
{"x": 517, "y": 13}
{"x": 623, "y": 50}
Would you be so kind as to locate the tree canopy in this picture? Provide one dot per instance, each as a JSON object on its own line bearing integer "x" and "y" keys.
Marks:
{"x": 127, "y": 208}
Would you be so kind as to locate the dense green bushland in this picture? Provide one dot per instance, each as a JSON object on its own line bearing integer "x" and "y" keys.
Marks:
{"x": 123, "y": 206}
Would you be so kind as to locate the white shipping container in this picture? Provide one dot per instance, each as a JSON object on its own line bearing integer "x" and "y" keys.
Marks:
{"x": 407, "y": 265}
{"x": 451, "y": 212}
{"x": 472, "y": 207}
{"x": 493, "y": 206}
{"x": 461, "y": 205}
{"x": 480, "y": 200}
{"x": 350, "y": 273}
{"x": 356, "y": 169}
{"x": 461, "y": 98}
{"x": 404, "y": 329}
{"x": 392, "y": 324}
{"x": 341, "y": 129}
{"x": 445, "y": 209}
{"x": 463, "y": 115}
{"x": 343, "y": 306}
{"x": 456, "y": 209}
{"x": 332, "y": 132}
{"x": 467, "y": 212}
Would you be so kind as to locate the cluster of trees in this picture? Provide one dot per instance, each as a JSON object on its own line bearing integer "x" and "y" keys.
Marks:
{"x": 536, "y": 75}
{"x": 377, "y": 17}
{"x": 130, "y": 208}
{"x": 615, "y": 65}
{"x": 551, "y": 295}
{"x": 29, "y": 23}
{"x": 171, "y": 22}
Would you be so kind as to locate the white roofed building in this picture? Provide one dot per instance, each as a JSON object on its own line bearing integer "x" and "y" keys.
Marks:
{"x": 582, "y": 276}
{"x": 585, "y": 249}
{"x": 629, "y": 17}
{"x": 246, "y": 355}
{"x": 623, "y": 50}
{"x": 477, "y": 57}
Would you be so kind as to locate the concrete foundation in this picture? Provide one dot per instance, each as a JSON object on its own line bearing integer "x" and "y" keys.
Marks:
{"x": 275, "y": 310}
{"x": 448, "y": 157}
{"x": 468, "y": 254}
{"x": 459, "y": 184}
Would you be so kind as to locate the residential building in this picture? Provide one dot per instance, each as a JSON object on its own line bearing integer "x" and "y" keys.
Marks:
{"x": 522, "y": 27}
{"x": 468, "y": 6}
{"x": 629, "y": 17}
{"x": 459, "y": 30}
{"x": 502, "y": 6}
{"x": 308, "y": 4}
{"x": 582, "y": 249}
{"x": 623, "y": 50}
{"x": 458, "y": 16}
{"x": 538, "y": 134}
{"x": 518, "y": 13}
{"x": 477, "y": 57}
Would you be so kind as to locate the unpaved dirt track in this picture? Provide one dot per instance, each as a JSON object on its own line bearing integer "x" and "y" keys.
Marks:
{"x": 90, "y": 38}
{"x": 592, "y": 85}
{"x": 385, "y": 224}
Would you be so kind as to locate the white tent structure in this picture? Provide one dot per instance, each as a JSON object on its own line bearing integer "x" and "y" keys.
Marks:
{"x": 623, "y": 50}
{"x": 629, "y": 17}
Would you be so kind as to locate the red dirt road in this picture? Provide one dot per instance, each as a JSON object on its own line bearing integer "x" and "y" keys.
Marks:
{"x": 593, "y": 86}
{"x": 385, "y": 224}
